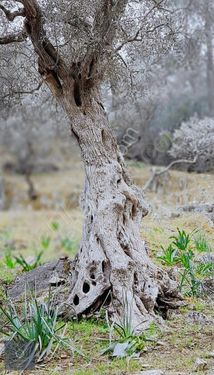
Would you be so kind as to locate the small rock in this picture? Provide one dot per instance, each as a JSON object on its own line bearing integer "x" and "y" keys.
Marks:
{"x": 200, "y": 364}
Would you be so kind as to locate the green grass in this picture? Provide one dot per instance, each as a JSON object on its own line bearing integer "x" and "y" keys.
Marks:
{"x": 91, "y": 336}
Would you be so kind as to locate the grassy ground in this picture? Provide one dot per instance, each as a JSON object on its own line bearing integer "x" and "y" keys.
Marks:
{"x": 24, "y": 229}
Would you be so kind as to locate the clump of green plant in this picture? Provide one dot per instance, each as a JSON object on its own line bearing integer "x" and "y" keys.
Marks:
{"x": 182, "y": 240}
{"x": 8, "y": 246}
{"x": 36, "y": 325}
{"x": 205, "y": 269}
{"x": 126, "y": 341}
{"x": 11, "y": 261}
{"x": 182, "y": 252}
{"x": 201, "y": 243}
{"x": 45, "y": 242}
{"x": 169, "y": 255}
{"x": 28, "y": 266}
{"x": 55, "y": 226}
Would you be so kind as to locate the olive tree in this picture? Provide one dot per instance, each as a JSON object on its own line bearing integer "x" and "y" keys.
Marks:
{"x": 77, "y": 44}
{"x": 195, "y": 139}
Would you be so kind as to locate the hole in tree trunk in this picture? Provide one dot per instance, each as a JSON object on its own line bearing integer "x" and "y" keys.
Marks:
{"x": 86, "y": 287}
{"x": 92, "y": 272}
{"x": 134, "y": 211}
{"x": 126, "y": 250}
{"x": 76, "y": 300}
{"x": 103, "y": 136}
{"x": 135, "y": 279}
{"x": 77, "y": 94}
{"x": 103, "y": 266}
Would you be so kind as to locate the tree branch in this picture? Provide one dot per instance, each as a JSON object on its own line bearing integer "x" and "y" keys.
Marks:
{"x": 158, "y": 173}
{"x": 104, "y": 29}
{"x": 137, "y": 37}
{"x": 25, "y": 92}
{"x": 51, "y": 66}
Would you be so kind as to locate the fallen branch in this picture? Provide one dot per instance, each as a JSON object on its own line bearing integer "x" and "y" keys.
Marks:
{"x": 157, "y": 173}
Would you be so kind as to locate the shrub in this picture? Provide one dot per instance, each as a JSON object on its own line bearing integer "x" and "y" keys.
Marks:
{"x": 195, "y": 138}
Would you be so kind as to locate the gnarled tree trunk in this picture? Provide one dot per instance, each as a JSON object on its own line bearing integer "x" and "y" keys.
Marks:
{"x": 112, "y": 256}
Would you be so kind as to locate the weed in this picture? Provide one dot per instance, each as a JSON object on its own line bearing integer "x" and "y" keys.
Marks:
{"x": 45, "y": 242}
{"x": 205, "y": 269}
{"x": 181, "y": 240}
{"x": 9, "y": 260}
{"x": 128, "y": 343}
{"x": 55, "y": 226}
{"x": 201, "y": 243}
{"x": 25, "y": 265}
{"x": 169, "y": 255}
{"x": 36, "y": 325}
{"x": 180, "y": 252}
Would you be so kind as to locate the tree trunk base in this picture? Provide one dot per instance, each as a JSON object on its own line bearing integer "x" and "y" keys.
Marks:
{"x": 141, "y": 303}
{"x": 112, "y": 266}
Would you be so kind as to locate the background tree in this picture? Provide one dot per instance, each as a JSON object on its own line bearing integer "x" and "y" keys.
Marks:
{"x": 84, "y": 46}
{"x": 195, "y": 138}
{"x": 184, "y": 86}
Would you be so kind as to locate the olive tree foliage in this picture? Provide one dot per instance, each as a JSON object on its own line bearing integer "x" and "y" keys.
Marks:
{"x": 145, "y": 32}
{"x": 81, "y": 46}
{"x": 195, "y": 138}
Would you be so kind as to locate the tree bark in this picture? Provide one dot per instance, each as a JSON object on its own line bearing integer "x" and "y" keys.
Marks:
{"x": 112, "y": 257}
